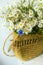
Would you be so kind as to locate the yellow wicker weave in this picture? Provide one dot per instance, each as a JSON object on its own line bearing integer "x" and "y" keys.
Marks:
{"x": 27, "y": 47}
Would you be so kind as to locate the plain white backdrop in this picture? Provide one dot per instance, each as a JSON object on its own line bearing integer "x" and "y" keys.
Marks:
{"x": 5, "y": 60}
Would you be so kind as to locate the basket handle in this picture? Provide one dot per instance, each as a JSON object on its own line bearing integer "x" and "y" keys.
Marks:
{"x": 5, "y": 44}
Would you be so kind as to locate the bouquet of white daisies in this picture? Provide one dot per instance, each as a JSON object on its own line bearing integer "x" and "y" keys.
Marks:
{"x": 26, "y": 17}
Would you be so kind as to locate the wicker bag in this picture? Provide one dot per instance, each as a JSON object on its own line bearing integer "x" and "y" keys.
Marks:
{"x": 27, "y": 47}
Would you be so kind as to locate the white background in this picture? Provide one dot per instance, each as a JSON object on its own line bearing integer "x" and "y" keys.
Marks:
{"x": 5, "y": 60}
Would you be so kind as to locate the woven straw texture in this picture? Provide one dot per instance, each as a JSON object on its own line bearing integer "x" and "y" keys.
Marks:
{"x": 29, "y": 46}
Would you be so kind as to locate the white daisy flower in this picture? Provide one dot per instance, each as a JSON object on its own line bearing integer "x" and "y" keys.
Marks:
{"x": 27, "y": 28}
{"x": 9, "y": 14}
{"x": 31, "y": 13}
{"x": 36, "y": 8}
{"x": 33, "y": 22}
{"x": 13, "y": 13}
{"x": 11, "y": 25}
{"x": 21, "y": 24}
{"x": 16, "y": 27}
{"x": 39, "y": 13}
{"x": 25, "y": 4}
{"x": 26, "y": 31}
{"x": 23, "y": 15}
{"x": 13, "y": 17}
{"x": 40, "y": 24}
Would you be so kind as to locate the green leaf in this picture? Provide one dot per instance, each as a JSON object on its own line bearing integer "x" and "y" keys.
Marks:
{"x": 35, "y": 29}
